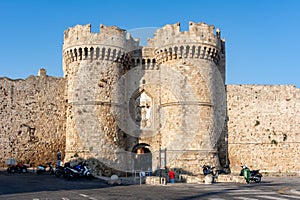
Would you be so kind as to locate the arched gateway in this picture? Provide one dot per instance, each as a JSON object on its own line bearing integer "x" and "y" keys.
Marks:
{"x": 142, "y": 157}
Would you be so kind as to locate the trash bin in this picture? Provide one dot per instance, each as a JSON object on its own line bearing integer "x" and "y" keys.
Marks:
{"x": 247, "y": 175}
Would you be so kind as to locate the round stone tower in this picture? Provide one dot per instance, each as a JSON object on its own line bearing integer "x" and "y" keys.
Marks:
{"x": 142, "y": 108}
{"x": 192, "y": 93}
{"x": 93, "y": 63}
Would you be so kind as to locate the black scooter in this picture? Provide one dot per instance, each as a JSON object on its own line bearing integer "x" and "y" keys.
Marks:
{"x": 45, "y": 169}
{"x": 255, "y": 175}
{"x": 66, "y": 171}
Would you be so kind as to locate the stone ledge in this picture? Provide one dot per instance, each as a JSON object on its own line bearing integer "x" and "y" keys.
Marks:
{"x": 231, "y": 178}
{"x": 122, "y": 180}
{"x": 200, "y": 179}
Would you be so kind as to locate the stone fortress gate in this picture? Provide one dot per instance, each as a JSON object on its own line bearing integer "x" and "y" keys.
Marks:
{"x": 125, "y": 107}
{"x": 128, "y": 103}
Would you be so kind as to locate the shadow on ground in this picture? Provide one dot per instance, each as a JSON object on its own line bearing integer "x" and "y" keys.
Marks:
{"x": 31, "y": 182}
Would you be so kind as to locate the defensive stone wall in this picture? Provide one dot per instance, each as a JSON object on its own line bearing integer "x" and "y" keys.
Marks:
{"x": 32, "y": 119}
{"x": 264, "y": 127}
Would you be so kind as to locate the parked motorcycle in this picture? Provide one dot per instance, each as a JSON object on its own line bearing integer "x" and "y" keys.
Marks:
{"x": 59, "y": 171}
{"x": 83, "y": 170}
{"x": 66, "y": 171}
{"x": 254, "y": 175}
{"x": 73, "y": 172}
{"x": 19, "y": 167}
{"x": 210, "y": 173}
{"x": 70, "y": 173}
{"x": 43, "y": 169}
{"x": 208, "y": 169}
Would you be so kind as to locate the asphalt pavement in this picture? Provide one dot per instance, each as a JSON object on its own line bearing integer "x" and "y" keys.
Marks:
{"x": 47, "y": 187}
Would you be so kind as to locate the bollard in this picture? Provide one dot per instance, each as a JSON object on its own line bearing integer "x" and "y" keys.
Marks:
{"x": 163, "y": 181}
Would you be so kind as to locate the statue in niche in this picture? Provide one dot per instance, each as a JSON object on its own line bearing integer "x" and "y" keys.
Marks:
{"x": 143, "y": 110}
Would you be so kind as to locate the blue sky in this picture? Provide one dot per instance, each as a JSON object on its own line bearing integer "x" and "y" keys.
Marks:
{"x": 262, "y": 36}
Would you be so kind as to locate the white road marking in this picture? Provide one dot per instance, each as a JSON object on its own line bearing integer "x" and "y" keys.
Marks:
{"x": 88, "y": 197}
{"x": 244, "y": 198}
{"x": 83, "y": 195}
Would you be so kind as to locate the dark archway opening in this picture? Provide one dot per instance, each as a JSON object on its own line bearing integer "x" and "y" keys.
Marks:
{"x": 142, "y": 157}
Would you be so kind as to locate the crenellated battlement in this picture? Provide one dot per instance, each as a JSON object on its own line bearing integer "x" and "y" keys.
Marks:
{"x": 197, "y": 33}
{"x": 200, "y": 42}
{"x": 109, "y": 36}
{"x": 111, "y": 44}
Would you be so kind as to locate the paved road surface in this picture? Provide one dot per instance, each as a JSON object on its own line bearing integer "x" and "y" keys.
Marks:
{"x": 45, "y": 187}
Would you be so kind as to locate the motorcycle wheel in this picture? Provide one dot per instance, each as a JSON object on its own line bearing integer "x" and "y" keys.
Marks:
{"x": 12, "y": 170}
{"x": 65, "y": 174}
{"x": 257, "y": 179}
{"x": 89, "y": 176}
{"x": 58, "y": 173}
{"x": 24, "y": 170}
